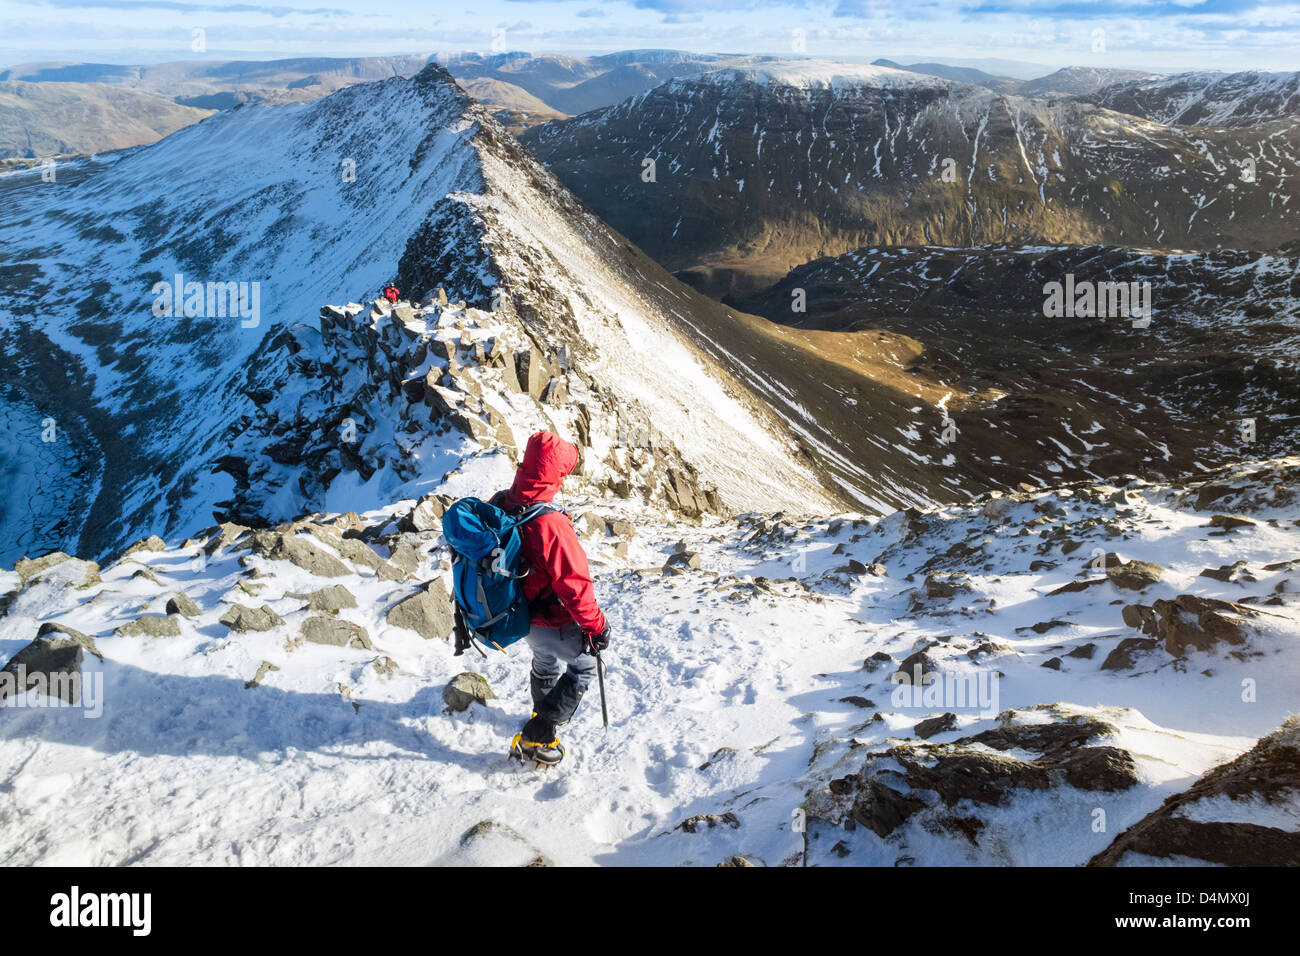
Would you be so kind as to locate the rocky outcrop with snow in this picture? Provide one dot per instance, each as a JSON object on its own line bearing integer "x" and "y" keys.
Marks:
{"x": 841, "y": 690}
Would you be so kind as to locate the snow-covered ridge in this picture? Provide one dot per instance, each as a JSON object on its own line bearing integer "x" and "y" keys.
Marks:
{"x": 1207, "y": 98}
{"x": 318, "y": 204}
{"x": 818, "y": 74}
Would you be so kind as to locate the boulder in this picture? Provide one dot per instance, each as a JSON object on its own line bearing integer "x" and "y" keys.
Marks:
{"x": 330, "y": 599}
{"x": 882, "y": 809}
{"x": 858, "y": 701}
{"x": 590, "y": 524}
{"x": 1230, "y": 522}
{"x": 1190, "y": 620}
{"x": 358, "y": 552}
{"x": 1103, "y": 562}
{"x": 1123, "y": 656}
{"x": 29, "y": 568}
{"x": 335, "y": 632}
{"x": 491, "y": 430}
{"x": 71, "y": 571}
{"x": 464, "y": 689}
{"x": 980, "y": 777}
{"x": 299, "y": 550}
{"x": 998, "y": 510}
{"x": 682, "y": 561}
{"x": 153, "y": 543}
{"x": 427, "y": 613}
{"x": 927, "y": 728}
{"x": 150, "y": 625}
{"x": 940, "y": 584}
{"x": 50, "y": 663}
{"x": 1073, "y": 587}
{"x": 405, "y": 558}
{"x": 707, "y": 821}
{"x": 489, "y": 843}
{"x": 556, "y": 393}
{"x": 242, "y": 618}
{"x": 1109, "y": 769}
{"x": 1135, "y": 575}
{"x": 917, "y": 664}
{"x": 225, "y": 534}
{"x": 181, "y": 603}
{"x": 1237, "y": 572}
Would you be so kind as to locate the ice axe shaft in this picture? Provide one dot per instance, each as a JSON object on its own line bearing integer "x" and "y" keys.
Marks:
{"x": 600, "y": 678}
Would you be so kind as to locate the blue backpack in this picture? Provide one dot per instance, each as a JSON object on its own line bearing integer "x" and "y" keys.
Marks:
{"x": 485, "y": 567}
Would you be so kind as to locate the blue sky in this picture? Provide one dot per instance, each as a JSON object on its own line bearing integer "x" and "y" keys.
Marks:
{"x": 1149, "y": 34}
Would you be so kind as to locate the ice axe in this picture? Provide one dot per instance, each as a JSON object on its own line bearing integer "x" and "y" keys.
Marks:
{"x": 600, "y": 679}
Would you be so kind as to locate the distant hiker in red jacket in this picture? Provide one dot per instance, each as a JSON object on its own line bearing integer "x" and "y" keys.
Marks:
{"x": 392, "y": 293}
{"x": 567, "y": 623}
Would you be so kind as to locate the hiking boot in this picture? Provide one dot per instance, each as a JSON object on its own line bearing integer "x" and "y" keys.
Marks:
{"x": 544, "y": 754}
{"x": 537, "y": 742}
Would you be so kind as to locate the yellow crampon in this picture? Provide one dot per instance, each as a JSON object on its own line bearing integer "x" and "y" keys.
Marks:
{"x": 541, "y": 754}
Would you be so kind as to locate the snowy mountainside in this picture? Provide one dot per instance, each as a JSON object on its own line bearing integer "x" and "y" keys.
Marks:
{"x": 297, "y": 674}
{"x": 1206, "y": 99}
{"x": 759, "y": 171}
{"x": 254, "y": 196}
{"x": 1059, "y": 397}
{"x": 263, "y": 196}
{"x": 1079, "y": 80}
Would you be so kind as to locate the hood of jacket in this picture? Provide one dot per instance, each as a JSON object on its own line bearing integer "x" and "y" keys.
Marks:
{"x": 548, "y": 460}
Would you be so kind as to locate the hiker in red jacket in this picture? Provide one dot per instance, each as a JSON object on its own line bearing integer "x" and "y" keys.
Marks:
{"x": 568, "y": 626}
{"x": 392, "y": 293}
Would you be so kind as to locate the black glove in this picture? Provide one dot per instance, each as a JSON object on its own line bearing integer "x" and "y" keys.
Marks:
{"x": 597, "y": 642}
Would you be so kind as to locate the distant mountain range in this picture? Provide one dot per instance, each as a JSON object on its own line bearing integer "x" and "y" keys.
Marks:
{"x": 524, "y": 89}
{"x": 223, "y": 84}
{"x": 1206, "y": 99}
{"x": 762, "y": 168}
{"x": 1070, "y": 81}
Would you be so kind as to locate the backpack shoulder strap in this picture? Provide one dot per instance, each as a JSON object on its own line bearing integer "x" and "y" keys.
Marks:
{"x": 541, "y": 508}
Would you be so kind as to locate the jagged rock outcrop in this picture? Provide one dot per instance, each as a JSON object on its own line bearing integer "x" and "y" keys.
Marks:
{"x": 1191, "y": 621}
{"x": 947, "y": 788}
{"x": 1200, "y": 825}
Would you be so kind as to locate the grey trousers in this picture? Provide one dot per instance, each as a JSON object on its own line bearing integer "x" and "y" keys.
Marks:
{"x": 561, "y": 672}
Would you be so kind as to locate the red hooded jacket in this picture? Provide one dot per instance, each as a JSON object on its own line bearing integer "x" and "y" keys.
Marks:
{"x": 558, "y": 585}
